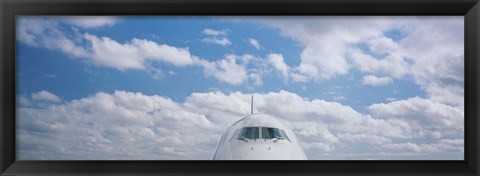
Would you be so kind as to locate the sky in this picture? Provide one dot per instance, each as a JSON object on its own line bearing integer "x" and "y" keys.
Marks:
{"x": 167, "y": 87}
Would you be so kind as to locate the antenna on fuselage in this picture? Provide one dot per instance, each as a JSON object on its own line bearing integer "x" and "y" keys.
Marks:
{"x": 251, "y": 110}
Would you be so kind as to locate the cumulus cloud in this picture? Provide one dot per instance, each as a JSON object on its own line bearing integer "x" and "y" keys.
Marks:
{"x": 220, "y": 41}
{"x": 133, "y": 55}
{"x": 394, "y": 66}
{"x": 436, "y": 119}
{"x": 299, "y": 77}
{"x": 256, "y": 78}
{"x": 254, "y": 43}
{"x": 217, "y": 37}
{"x": 430, "y": 50}
{"x": 373, "y": 80}
{"x": 431, "y": 53}
{"x": 116, "y": 125}
{"x": 102, "y": 51}
{"x": 439, "y": 60}
{"x": 40, "y": 32}
{"x": 45, "y": 96}
{"x": 444, "y": 145}
{"x": 365, "y": 138}
{"x": 227, "y": 70}
{"x": 278, "y": 63}
{"x": 128, "y": 125}
{"x": 122, "y": 125}
{"x": 214, "y": 32}
{"x": 40, "y": 99}
{"x": 326, "y": 41}
{"x": 90, "y": 21}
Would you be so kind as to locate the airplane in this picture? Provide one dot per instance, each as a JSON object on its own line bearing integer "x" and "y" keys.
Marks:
{"x": 259, "y": 136}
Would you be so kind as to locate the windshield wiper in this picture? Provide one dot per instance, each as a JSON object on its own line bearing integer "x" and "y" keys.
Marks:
{"x": 278, "y": 138}
{"x": 243, "y": 139}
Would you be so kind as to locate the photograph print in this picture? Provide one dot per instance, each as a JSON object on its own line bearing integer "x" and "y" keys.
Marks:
{"x": 240, "y": 88}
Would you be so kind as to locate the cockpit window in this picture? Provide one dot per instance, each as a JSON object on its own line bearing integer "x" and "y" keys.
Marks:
{"x": 250, "y": 133}
{"x": 236, "y": 134}
{"x": 269, "y": 133}
{"x": 285, "y": 135}
{"x": 254, "y": 133}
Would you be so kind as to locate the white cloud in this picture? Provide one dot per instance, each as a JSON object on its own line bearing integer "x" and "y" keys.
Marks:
{"x": 115, "y": 126}
{"x": 430, "y": 50}
{"x": 108, "y": 52}
{"x": 256, "y": 78}
{"x": 299, "y": 77}
{"x": 23, "y": 101}
{"x": 330, "y": 48}
{"x": 133, "y": 55}
{"x": 227, "y": 70}
{"x": 339, "y": 98}
{"x": 45, "y": 96}
{"x": 40, "y": 99}
{"x": 365, "y": 138}
{"x": 373, "y": 80}
{"x": 431, "y": 53}
{"x": 254, "y": 43}
{"x": 103, "y": 51}
{"x": 90, "y": 21}
{"x": 327, "y": 40}
{"x": 218, "y": 37}
{"x": 278, "y": 63}
{"x": 444, "y": 145}
{"x": 391, "y": 99}
{"x": 438, "y": 58}
{"x": 393, "y": 65}
{"x": 221, "y": 41}
{"x": 40, "y": 32}
{"x": 214, "y": 32}
{"x": 156, "y": 73}
{"x": 431, "y": 119}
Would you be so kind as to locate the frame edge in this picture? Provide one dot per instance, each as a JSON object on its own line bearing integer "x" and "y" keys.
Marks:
{"x": 7, "y": 125}
{"x": 472, "y": 123}
{"x": 7, "y": 83}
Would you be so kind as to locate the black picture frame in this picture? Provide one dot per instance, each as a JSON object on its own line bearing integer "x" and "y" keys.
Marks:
{"x": 470, "y": 9}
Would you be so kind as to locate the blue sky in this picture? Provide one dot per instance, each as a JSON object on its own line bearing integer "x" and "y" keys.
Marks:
{"x": 338, "y": 75}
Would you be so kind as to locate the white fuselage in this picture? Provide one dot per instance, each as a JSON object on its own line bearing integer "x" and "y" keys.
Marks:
{"x": 259, "y": 137}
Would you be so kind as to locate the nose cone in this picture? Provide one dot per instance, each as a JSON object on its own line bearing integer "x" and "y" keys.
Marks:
{"x": 261, "y": 147}
{"x": 265, "y": 150}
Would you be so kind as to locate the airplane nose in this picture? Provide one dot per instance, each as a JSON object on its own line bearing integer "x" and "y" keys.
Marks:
{"x": 259, "y": 137}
